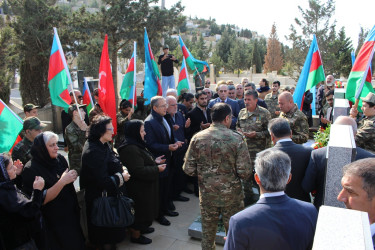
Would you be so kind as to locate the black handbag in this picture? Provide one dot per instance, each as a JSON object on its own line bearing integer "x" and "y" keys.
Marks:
{"x": 112, "y": 211}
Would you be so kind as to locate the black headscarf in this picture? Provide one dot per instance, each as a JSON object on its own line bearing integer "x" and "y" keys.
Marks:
{"x": 132, "y": 134}
{"x": 4, "y": 177}
{"x": 40, "y": 153}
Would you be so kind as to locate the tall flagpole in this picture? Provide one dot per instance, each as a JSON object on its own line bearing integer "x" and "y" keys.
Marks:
{"x": 135, "y": 71}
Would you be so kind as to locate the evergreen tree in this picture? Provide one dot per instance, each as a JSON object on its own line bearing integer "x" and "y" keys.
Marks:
{"x": 256, "y": 57}
{"x": 343, "y": 62}
{"x": 237, "y": 58}
{"x": 273, "y": 59}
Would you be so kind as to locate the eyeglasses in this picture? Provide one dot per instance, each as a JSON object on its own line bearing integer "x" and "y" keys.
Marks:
{"x": 207, "y": 92}
{"x": 163, "y": 106}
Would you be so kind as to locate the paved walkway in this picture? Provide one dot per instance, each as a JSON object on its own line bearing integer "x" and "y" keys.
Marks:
{"x": 175, "y": 236}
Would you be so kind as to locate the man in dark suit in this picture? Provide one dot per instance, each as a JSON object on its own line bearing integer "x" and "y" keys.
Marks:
{"x": 275, "y": 221}
{"x": 299, "y": 155}
{"x": 199, "y": 116}
{"x": 316, "y": 170}
{"x": 223, "y": 97}
{"x": 251, "y": 86}
{"x": 358, "y": 185}
{"x": 160, "y": 141}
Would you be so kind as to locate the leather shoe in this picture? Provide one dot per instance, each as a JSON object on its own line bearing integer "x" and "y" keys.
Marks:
{"x": 171, "y": 206}
{"x": 163, "y": 221}
{"x": 148, "y": 230}
{"x": 171, "y": 213}
{"x": 188, "y": 190}
{"x": 181, "y": 198}
{"x": 141, "y": 240}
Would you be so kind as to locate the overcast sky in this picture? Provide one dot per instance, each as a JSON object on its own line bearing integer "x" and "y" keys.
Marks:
{"x": 261, "y": 14}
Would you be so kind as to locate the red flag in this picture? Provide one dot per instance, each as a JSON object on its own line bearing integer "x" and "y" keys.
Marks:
{"x": 107, "y": 98}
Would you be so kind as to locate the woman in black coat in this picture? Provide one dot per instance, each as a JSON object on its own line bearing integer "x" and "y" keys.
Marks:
{"x": 143, "y": 188}
{"x": 17, "y": 211}
{"x": 100, "y": 169}
{"x": 60, "y": 208}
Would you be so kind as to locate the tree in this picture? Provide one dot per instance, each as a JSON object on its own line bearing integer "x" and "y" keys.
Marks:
{"x": 273, "y": 59}
{"x": 256, "y": 58}
{"x": 224, "y": 45}
{"x": 315, "y": 20}
{"x": 237, "y": 58}
{"x": 343, "y": 61}
{"x": 33, "y": 27}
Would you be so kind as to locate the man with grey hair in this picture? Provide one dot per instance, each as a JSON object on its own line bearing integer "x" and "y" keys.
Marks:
{"x": 316, "y": 170}
{"x": 275, "y": 221}
{"x": 299, "y": 155}
{"x": 358, "y": 189}
{"x": 171, "y": 92}
{"x": 160, "y": 140}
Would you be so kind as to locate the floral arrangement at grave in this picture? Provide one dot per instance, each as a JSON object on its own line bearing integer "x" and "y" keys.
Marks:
{"x": 321, "y": 137}
{"x": 338, "y": 84}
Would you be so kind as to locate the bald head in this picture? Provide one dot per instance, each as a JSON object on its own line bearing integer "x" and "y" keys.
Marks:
{"x": 346, "y": 120}
{"x": 286, "y": 102}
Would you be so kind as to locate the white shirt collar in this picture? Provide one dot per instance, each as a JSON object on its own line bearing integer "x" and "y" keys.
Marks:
{"x": 282, "y": 140}
{"x": 372, "y": 228}
{"x": 273, "y": 194}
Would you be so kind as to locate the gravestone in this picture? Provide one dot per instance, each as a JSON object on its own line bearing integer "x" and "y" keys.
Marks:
{"x": 195, "y": 231}
{"x": 339, "y": 228}
{"x": 339, "y": 93}
{"x": 341, "y": 151}
{"x": 340, "y": 107}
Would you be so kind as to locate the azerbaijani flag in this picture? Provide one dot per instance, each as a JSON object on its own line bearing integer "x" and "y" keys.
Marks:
{"x": 128, "y": 89}
{"x": 183, "y": 79}
{"x": 152, "y": 85}
{"x": 353, "y": 57}
{"x": 58, "y": 74}
{"x": 87, "y": 98}
{"x": 10, "y": 126}
{"x": 312, "y": 74}
{"x": 194, "y": 64}
{"x": 359, "y": 81}
{"x": 107, "y": 99}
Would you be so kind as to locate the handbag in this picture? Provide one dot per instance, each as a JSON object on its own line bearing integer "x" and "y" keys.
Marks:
{"x": 112, "y": 211}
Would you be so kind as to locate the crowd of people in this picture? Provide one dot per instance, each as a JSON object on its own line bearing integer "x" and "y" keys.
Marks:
{"x": 208, "y": 143}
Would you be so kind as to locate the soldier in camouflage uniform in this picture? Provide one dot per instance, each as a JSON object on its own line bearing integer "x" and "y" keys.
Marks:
{"x": 220, "y": 159}
{"x": 252, "y": 122}
{"x": 297, "y": 120}
{"x": 365, "y": 137}
{"x": 31, "y": 127}
{"x": 272, "y": 101}
{"x": 123, "y": 116}
{"x": 75, "y": 136}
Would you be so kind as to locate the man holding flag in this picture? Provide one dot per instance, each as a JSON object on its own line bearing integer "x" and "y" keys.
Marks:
{"x": 166, "y": 61}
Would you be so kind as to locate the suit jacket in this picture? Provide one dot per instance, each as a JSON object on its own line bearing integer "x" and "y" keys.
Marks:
{"x": 157, "y": 138}
{"x": 300, "y": 157}
{"x": 316, "y": 172}
{"x": 261, "y": 103}
{"x": 273, "y": 223}
{"x": 197, "y": 117}
{"x": 235, "y": 109}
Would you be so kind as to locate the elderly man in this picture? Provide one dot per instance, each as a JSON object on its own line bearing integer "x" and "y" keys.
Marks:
{"x": 223, "y": 97}
{"x": 275, "y": 221}
{"x": 316, "y": 170}
{"x": 252, "y": 122}
{"x": 366, "y": 132}
{"x": 323, "y": 89}
{"x": 244, "y": 81}
{"x": 219, "y": 157}
{"x": 297, "y": 120}
{"x": 271, "y": 100}
{"x": 208, "y": 93}
{"x": 160, "y": 140}
{"x": 31, "y": 127}
{"x": 358, "y": 189}
{"x": 207, "y": 83}
{"x": 181, "y": 128}
{"x": 299, "y": 155}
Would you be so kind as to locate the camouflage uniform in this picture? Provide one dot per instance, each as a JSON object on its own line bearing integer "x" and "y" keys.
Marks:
{"x": 254, "y": 121}
{"x": 220, "y": 159}
{"x": 121, "y": 120}
{"x": 272, "y": 102}
{"x": 365, "y": 137}
{"x": 298, "y": 124}
{"x": 22, "y": 151}
{"x": 75, "y": 138}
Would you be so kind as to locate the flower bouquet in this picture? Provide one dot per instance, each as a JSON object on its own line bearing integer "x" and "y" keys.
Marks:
{"x": 321, "y": 137}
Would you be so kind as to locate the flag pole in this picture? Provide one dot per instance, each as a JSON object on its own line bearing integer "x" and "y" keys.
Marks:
{"x": 67, "y": 70}
{"x": 135, "y": 71}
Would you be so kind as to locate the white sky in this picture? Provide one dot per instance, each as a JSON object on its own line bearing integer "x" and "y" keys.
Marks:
{"x": 261, "y": 14}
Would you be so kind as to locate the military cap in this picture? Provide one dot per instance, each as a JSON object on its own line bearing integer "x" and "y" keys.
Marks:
{"x": 28, "y": 107}
{"x": 33, "y": 123}
{"x": 370, "y": 98}
{"x": 74, "y": 107}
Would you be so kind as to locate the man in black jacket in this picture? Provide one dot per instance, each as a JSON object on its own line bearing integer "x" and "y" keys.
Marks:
{"x": 199, "y": 116}
{"x": 166, "y": 61}
{"x": 299, "y": 155}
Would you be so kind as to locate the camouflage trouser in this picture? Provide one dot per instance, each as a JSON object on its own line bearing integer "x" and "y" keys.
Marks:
{"x": 210, "y": 218}
{"x": 247, "y": 186}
